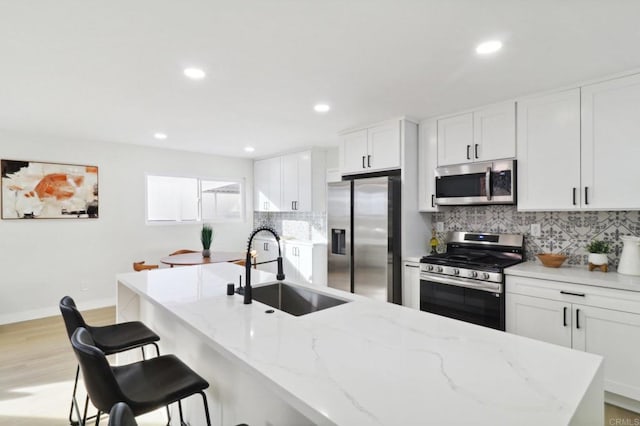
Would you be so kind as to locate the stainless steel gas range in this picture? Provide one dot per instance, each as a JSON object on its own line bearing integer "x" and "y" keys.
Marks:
{"x": 467, "y": 282}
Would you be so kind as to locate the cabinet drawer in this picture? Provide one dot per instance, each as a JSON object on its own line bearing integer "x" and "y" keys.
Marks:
{"x": 619, "y": 300}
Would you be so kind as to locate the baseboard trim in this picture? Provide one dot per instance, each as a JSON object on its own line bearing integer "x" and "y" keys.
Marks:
{"x": 622, "y": 401}
{"x": 53, "y": 311}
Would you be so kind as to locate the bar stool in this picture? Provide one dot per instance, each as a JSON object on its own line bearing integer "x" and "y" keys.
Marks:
{"x": 144, "y": 386}
{"x": 109, "y": 339}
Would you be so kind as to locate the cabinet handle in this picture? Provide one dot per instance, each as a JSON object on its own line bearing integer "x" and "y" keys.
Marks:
{"x": 475, "y": 149}
{"x": 574, "y": 196}
{"x": 564, "y": 316}
{"x": 411, "y": 266}
{"x": 586, "y": 195}
{"x": 571, "y": 293}
{"x": 577, "y": 318}
{"x": 433, "y": 200}
{"x": 369, "y": 161}
{"x": 468, "y": 148}
{"x": 363, "y": 166}
{"x": 265, "y": 246}
{"x": 296, "y": 204}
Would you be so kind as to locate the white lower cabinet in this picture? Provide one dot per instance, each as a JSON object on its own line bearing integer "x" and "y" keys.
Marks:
{"x": 411, "y": 285}
{"x": 581, "y": 317}
{"x": 303, "y": 262}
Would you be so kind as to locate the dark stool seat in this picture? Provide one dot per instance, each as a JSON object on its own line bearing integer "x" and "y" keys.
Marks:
{"x": 156, "y": 382}
{"x": 144, "y": 386}
{"x": 121, "y": 337}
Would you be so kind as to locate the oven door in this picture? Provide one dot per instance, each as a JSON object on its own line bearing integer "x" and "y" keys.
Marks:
{"x": 463, "y": 299}
{"x": 476, "y": 183}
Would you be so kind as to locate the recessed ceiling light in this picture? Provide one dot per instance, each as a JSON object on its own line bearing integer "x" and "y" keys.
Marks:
{"x": 322, "y": 108}
{"x": 249, "y": 149}
{"x": 487, "y": 47}
{"x": 194, "y": 73}
{"x": 160, "y": 135}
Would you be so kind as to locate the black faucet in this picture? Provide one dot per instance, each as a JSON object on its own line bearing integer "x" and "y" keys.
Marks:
{"x": 247, "y": 265}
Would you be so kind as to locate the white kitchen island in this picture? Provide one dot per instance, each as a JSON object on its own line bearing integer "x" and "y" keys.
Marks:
{"x": 359, "y": 363}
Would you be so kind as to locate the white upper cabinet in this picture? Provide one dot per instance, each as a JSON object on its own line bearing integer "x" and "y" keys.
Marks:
{"x": 383, "y": 146}
{"x": 483, "y": 135}
{"x": 494, "y": 132}
{"x": 579, "y": 149}
{"x": 267, "y": 185}
{"x": 611, "y": 144}
{"x": 549, "y": 152}
{"x": 292, "y": 182}
{"x": 354, "y": 151}
{"x": 455, "y": 139}
{"x": 372, "y": 149}
{"x": 428, "y": 158}
{"x": 296, "y": 182}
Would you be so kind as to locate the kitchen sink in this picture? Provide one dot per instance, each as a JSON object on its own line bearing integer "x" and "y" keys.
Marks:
{"x": 294, "y": 300}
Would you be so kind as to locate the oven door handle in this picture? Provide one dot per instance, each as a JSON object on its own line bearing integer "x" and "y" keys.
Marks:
{"x": 463, "y": 282}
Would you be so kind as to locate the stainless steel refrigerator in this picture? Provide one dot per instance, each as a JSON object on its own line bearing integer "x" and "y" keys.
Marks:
{"x": 364, "y": 237}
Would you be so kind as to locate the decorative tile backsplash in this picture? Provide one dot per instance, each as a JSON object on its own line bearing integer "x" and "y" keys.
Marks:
{"x": 561, "y": 232}
{"x": 297, "y": 225}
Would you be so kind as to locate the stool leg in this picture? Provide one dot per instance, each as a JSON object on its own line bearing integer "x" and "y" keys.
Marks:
{"x": 86, "y": 407}
{"x": 142, "y": 349}
{"x": 180, "y": 410}
{"x": 157, "y": 348}
{"x": 73, "y": 399}
{"x": 98, "y": 417}
{"x": 206, "y": 408}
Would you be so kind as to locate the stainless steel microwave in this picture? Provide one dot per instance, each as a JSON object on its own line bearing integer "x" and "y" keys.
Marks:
{"x": 491, "y": 182}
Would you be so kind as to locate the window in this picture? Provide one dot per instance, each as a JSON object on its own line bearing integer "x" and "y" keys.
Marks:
{"x": 185, "y": 199}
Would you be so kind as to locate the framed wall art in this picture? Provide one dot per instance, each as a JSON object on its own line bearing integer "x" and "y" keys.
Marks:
{"x": 35, "y": 190}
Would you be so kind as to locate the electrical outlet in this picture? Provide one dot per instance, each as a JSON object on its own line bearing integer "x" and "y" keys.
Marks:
{"x": 440, "y": 226}
{"x": 535, "y": 229}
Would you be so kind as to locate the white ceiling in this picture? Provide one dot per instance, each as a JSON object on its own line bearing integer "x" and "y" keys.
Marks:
{"x": 112, "y": 70}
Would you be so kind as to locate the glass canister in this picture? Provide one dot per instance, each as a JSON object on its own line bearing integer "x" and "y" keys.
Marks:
{"x": 630, "y": 257}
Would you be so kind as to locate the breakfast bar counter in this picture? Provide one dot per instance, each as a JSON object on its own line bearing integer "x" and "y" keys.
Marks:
{"x": 360, "y": 363}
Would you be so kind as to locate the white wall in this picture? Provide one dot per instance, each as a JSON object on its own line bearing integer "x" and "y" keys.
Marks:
{"x": 43, "y": 260}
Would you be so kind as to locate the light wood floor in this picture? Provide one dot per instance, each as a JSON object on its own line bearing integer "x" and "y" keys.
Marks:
{"x": 37, "y": 367}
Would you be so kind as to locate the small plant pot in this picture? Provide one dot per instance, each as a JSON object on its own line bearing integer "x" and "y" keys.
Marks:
{"x": 206, "y": 253}
{"x": 598, "y": 258}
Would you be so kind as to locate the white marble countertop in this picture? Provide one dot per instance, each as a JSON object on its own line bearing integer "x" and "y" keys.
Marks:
{"x": 576, "y": 275}
{"x": 373, "y": 363}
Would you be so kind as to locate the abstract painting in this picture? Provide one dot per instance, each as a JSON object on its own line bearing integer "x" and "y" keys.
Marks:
{"x": 34, "y": 190}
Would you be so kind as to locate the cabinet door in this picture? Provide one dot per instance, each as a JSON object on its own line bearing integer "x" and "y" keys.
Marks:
{"x": 275, "y": 184}
{"x": 411, "y": 285}
{"x": 353, "y": 152}
{"x": 291, "y": 268}
{"x": 614, "y": 335}
{"x": 611, "y": 144}
{"x": 304, "y": 254}
{"x": 383, "y": 146}
{"x": 261, "y": 185}
{"x": 494, "y": 132}
{"x": 267, "y": 250}
{"x": 427, "y": 154}
{"x": 290, "y": 187}
{"x": 548, "y": 146}
{"x": 304, "y": 182}
{"x": 538, "y": 318}
{"x": 455, "y": 139}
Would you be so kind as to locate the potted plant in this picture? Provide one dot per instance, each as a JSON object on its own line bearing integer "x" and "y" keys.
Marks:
{"x": 206, "y": 236}
{"x": 598, "y": 252}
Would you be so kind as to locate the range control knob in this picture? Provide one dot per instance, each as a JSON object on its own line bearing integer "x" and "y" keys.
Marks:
{"x": 485, "y": 276}
{"x": 473, "y": 274}
{"x": 456, "y": 271}
{"x": 430, "y": 267}
{"x": 439, "y": 269}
